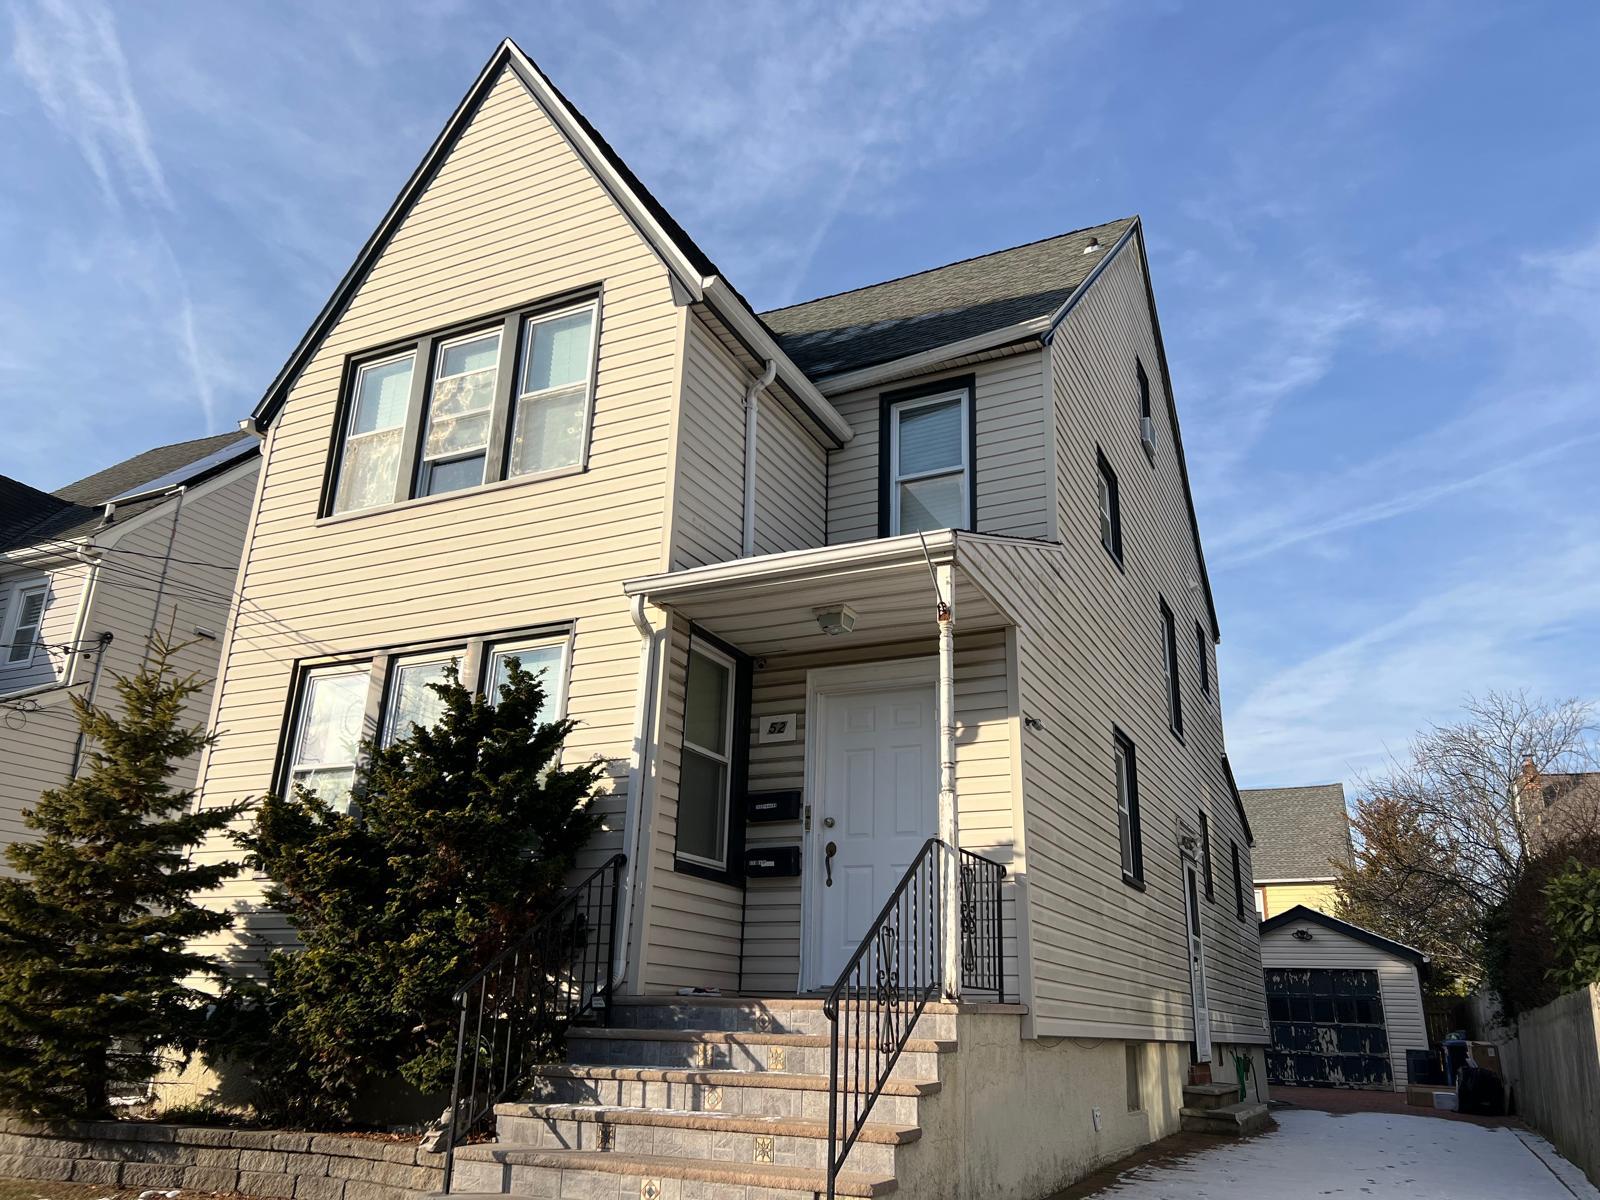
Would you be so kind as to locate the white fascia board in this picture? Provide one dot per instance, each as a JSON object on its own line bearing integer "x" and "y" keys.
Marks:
{"x": 1300, "y": 879}
{"x": 911, "y": 364}
{"x": 776, "y": 568}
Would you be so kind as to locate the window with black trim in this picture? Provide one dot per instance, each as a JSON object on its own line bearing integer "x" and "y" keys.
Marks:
{"x": 1126, "y": 769}
{"x": 1169, "y": 669}
{"x": 1202, "y": 652}
{"x": 509, "y": 395}
{"x": 1110, "y": 504}
{"x": 1205, "y": 854}
{"x": 325, "y": 745}
{"x": 544, "y": 657}
{"x": 411, "y": 699}
{"x": 1144, "y": 389}
{"x": 712, "y": 761}
{"x": 1238, "y": 881}
{"x": 926, "y": 472}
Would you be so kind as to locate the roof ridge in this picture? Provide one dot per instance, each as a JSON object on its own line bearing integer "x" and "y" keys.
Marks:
{"x": 1066, "y": 233}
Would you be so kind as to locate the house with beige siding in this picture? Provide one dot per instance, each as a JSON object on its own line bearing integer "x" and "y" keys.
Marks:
{"x": 90, "y": 574}
{"x": 923, "y": 865}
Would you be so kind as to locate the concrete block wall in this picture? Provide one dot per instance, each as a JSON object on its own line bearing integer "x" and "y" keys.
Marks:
{"x": 269, "y": 1164}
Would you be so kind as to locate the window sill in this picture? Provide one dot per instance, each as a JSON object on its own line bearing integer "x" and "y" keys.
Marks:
{"x": 1177, "y": 735}
{"x": 1114, "y": 557}
{"x": 684, "y": 866}
{"x": 1133, "y": 881}
{"x": 419, "y": 501}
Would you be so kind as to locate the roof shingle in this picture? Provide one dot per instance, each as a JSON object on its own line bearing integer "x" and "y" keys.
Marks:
{"x": 1299, "y": 831}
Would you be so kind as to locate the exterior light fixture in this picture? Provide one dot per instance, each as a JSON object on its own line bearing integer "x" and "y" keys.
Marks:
{"x": 835, "y": 619}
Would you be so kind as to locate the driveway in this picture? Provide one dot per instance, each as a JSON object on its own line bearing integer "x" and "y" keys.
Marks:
{"x": 1386, "y": 1156}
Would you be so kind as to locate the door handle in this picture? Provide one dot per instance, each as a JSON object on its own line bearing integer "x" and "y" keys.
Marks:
{"x": 828, "y": 852}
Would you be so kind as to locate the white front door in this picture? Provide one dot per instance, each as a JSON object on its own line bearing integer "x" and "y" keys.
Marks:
{"x": 1197, "y": 962}
{"x": 874, "y": 803}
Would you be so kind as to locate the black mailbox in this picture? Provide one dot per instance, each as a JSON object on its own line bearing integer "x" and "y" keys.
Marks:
{"x": 772, "y": 806}
{"x": 771, "y": 862}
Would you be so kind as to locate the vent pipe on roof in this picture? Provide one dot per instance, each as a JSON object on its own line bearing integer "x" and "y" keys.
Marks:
{"x": 1094, "y": 245}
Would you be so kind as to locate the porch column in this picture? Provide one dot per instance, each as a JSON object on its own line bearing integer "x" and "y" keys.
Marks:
{"x": 949, "y": 826}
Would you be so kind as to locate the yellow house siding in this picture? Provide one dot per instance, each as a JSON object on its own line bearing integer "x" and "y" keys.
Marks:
{"x": 512, "y": 216}
{"x": 1281, "y": 897}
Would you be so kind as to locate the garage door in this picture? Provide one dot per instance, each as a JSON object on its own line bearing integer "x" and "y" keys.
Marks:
{"x": 1327, "y": 1028}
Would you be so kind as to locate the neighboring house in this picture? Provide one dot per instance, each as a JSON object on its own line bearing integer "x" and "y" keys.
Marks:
{"x": 1301, "y": 832}
{"x": 535, "y": 420}
{"x": 1346, "y": 1003}
{"x": 88, "y": 574}
{"x": 1558, "y": 805}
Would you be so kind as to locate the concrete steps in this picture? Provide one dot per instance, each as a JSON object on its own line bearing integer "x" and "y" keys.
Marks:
{"x": 1239, "y": 1119}
{"x": 584, "y": 1175}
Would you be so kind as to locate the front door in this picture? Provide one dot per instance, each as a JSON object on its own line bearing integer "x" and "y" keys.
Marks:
{"x": 875, "y": 803}
{"x": 1197, "y": 962}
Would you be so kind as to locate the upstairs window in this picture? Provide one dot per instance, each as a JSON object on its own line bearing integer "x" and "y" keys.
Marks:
{"x": 927, "y": 473}
{"x": 1169, "y": 670}
{"x": 1238, "y": 881}
{"x": 1144, "y": 389}
{"x": 1110, "y": 504}
{"x": 460, "y": 409}
{"x": 1202, "y": 651}
{"x": 24, "y": 616}
{"x": 1205, "y": 855}
{"x": 1128, "y": 836}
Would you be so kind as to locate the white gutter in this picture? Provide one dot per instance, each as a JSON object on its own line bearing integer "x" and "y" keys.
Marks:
{"x": 752, "y": 412}
{"x": 911, "y": 364}
{"x": 638, "y": 778}
{"x": 743, "y": 322}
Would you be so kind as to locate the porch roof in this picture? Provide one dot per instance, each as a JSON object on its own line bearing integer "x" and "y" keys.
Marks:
{"x": 767, "y": 604}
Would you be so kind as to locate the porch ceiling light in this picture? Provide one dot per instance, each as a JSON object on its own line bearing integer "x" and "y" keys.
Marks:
{"x": 835, "y": 618}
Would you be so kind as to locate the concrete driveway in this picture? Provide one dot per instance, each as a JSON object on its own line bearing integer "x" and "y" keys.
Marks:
{"x": 1361, "y": 1155}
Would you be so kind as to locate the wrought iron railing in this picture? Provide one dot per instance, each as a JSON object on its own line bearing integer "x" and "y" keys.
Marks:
{"x": 896, "y": 971}
{"x": 515, "y": 1011}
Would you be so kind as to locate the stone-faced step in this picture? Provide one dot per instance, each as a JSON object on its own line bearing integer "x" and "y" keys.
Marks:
{"x": 786, "y": 1141}
{"x": 743, "y": 1014}
{"x": 1231, "y": 1120}
{"x": 1210, "y": 1095}
{"x": 585, "y": 1175}
{"x": 716, "y": 1050}
{"x": 742, "y": 1093}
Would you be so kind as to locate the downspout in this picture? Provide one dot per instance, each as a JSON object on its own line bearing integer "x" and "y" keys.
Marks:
{"x": 638, "y": 778}
{"x": 752, "y": 410}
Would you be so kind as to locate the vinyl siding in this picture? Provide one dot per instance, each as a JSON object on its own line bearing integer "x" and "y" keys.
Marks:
{"x": 1110, "y": 960}
{"x": 511, "y": 216}
{"x": 1281, "y": 897}
{"x": 36, "y": 748}
{"x": 1012, "y": 484}
{"x": 1398, "y": 982}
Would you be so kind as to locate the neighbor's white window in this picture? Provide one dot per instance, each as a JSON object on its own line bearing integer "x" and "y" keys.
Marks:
{"x": 369, "y": 469}
{"x": 455, "y": 441}
{"x": 411, "y": 700}
{"x": 550, "y": 423}
{"x": 544, "y": 657}
{"x": 707, "y": 758}
{"x": 327, "y": 735}
{"x": 24, "y": 616}
{"x": 930, "y": 477}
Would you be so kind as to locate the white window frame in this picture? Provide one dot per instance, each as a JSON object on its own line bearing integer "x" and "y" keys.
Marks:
{"x": 426, "y": 463}
{"x": 20, "y": 592}
{"x": 395, "y": 663}
{"x": 963, "y": 397}
{"x": 518, "y": 396}
{"x": 725, "y": 757}
{"x": 302, "y": 710}
{"x": 353, "y": 402}
{"x": 555, "y": 688}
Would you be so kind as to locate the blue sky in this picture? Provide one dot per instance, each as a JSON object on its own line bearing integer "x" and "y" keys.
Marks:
{"x": 1374, "y": 235}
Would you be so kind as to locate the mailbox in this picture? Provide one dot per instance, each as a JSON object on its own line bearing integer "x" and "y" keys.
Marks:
{"x": 771, "y": 862}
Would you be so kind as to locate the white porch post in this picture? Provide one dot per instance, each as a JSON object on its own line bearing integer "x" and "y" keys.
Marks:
{"x": 949, "y": 825}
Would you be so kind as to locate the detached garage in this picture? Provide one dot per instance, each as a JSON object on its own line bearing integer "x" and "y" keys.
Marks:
{"x": 1345, "y": 1003}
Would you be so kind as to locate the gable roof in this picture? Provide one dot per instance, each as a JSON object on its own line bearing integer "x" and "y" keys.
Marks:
{"x": 899, "y": 317}
{"x": 32, "y": 516}
{"x": 1298, "y": 830}
{"x": 1317, "y": 917}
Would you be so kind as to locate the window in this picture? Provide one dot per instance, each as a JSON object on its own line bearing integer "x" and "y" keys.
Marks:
{"x": 1169, "y": 670}
{"x": 1238, "y": 880}
{"x": 927, "y": 473}
{"x": 327, "y": 737}
{"x": 1132, "y": 1061}
{"x": 24, "y": 616}
{"x": 1110, "y": 509}
{"x": 1144, "y": 390}
{"x": 1205, "y": 855}
{"x": 544, "y": 657}
{"x": 1261, "y": 904}
{"x": 1127, "y": 774}
{"x": 707, "y": 769}
{"x": 1202, "y": 651}
{"x": 411, "y": 700}
{"x": 484, "y": 413}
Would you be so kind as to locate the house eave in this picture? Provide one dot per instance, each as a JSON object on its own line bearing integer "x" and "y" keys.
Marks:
{"x": 1032, "y": 329}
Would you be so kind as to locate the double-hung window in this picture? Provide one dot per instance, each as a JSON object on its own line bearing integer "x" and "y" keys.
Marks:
{"x": 1110, "y": 504}
{"x": 1127, "y": 779}
{"x": 511, "y": 396}
{"x": 329, "y": 719}
{"x": 1169, "y": 668}
{"x": 24, "y": 618}
{"x": 412, "y": 700}
{"x": 928, "y": 462}
{"x": 1202, "y": 649}
{"x": 542, "y": 657}
{"x": 1205, "y": 854}
{"x": 706, "y": 774}
{"x": 1238, "y": 881}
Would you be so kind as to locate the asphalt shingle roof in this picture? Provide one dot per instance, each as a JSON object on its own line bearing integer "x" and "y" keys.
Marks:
{"x": 1298, "y": 830}
{"x": 904, "y": 316}
{"x": 29, "y": 516}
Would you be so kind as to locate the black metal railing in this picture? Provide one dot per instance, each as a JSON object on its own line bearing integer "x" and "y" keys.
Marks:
{"x": 515, "y": 1011}
{"x": 896, "y": 971}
